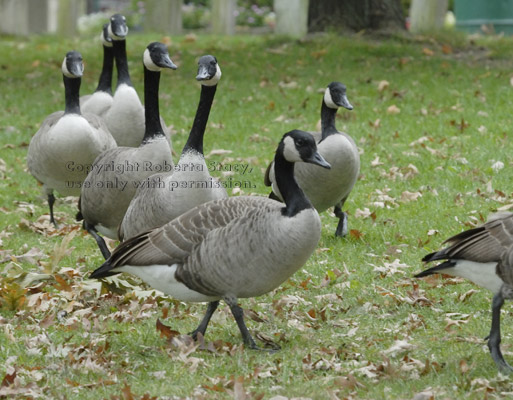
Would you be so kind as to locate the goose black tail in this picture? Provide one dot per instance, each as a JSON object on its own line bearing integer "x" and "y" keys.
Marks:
{"x": 104, "y": 271}
{"x": 440, "y": 268}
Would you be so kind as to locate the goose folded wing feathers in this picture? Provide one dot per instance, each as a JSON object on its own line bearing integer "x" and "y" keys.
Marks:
{"x": 485, "y": 243}
{"x": 482, "y": 244}
{"x": 173, "y": 242}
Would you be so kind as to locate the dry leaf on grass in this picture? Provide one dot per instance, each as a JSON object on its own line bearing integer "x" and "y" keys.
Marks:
{"x": 399, "y": 346}
{"x": 393, "y": 109}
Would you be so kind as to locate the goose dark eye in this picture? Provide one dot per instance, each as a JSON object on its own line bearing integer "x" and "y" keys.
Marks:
{"x": 300, "y": 142}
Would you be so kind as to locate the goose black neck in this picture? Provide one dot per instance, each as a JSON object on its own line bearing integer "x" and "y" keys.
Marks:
{"x": 105, "y": 81}
{"x": 328, "y": 120}
{"x": 151, "y": 105}
{"x": 71, "y": 95}
{"x": 121, "y": 62}
{"x": 294, "y": 198}
{"x": 195, "y": 141}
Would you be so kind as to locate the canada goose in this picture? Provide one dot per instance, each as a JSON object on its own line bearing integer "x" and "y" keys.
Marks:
{"x": 483, "y": 255}
{"x": 101, "y": 100}
{"x": 116, "y": 173}
{"x": 125, "y": 118}
{"x": 168, "y": 195}
{"x": 231, "y": 248}
{"x": 328, "y": 188}
{"x": 67, "y": 141}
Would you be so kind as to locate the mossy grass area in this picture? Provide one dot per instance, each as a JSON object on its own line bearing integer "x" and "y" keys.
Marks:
{"x": 432, "y": 118}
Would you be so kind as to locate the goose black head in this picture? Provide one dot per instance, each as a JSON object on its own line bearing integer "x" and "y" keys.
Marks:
{"x": 72, "y": 66}
{"x": 118, "y": 28}
{"x": 106, "y": 39}
{"x": 299, "y": 146}
{"x": 156, "y": 57}
{"x": 335, "y": 96}
{"x": 209, "y": 72}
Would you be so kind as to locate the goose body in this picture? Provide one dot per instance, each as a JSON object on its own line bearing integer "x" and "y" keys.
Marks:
{"x": 230, "y": 248}
{"x": 165, "y": 196}
{"x": 328, "y": 188}
{"x": 67, "y": 141}
{"x": 117, "y": 173}
{"x": 483, "y": 255}
{"x": 101, "y": 100}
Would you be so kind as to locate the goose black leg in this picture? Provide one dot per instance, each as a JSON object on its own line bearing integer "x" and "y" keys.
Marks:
{"x": 51, "y": 201}
{"x": 99, "y": 240}
{"x": 238, "y": 314}
{"x": 494, "y": 339}
{"x": 342, "y": 221}
{"x": 202, "y": 327}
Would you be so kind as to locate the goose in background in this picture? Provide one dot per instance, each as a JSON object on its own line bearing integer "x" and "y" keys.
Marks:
{"x": 67, "y": 141}
{"x": 125, "y": 118}
{"x": 232, "y": 248}
{"x": 327, "y": 188}
{"x": 101, "y": 100}
{"x": 116, "y": 173}
{"x": 170, "y": 194}
{"x": 483, "y": 255}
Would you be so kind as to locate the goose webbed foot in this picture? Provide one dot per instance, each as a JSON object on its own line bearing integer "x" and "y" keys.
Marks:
{"x": 99, "y": 240}
{"x": 494, "y": 338}
{"x": 249, "y": 342}
{"x": 51, "y": 201}
{"x": 342, "y": 229}
{"x": 202, "y": 327}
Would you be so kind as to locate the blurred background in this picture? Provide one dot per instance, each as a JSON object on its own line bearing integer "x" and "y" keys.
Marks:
{"x": 289, "y": 17}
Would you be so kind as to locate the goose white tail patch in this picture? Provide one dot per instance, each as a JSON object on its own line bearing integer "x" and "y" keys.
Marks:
{"x": 162, "y": 278}
{"x": 482, "y": 274}
{"x": 328, "y": 100}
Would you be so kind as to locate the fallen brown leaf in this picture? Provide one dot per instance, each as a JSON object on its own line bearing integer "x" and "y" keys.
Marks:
{"x": 165, "y": 331}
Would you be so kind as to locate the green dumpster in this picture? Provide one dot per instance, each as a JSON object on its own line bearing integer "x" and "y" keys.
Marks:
{"x": 484, "y": 16}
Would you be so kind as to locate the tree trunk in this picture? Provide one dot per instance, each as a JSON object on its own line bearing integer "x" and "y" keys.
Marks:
{"x": 355, "y": 15}
{"x": 427, "y": 15}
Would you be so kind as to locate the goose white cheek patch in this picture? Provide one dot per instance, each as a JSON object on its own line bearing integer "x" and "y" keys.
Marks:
{"x": 67, "y": 73}
{"x": 148, "y": 62}
{"x": 65, "y": 70}
{"x": 289, "y": 150}
{"x": 215, "y": 79}
{"x": 328, "y": 99}
{"x": 107, "y": 43}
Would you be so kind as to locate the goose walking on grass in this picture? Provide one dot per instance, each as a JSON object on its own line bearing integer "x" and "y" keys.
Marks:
{"x": 67, "y": 141}
{"x": 101, "y": 100}
{"x": 170, "y": 194}
{"x": 116, "y": 173}
{"x": 125, "y": 118}
{"x": 483, "y": 255}
{"x": 233, "y": 248}
{"x": 328, "y": 188}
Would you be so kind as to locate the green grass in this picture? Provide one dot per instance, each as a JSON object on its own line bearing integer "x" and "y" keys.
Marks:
{"x": 336, "y": 318}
